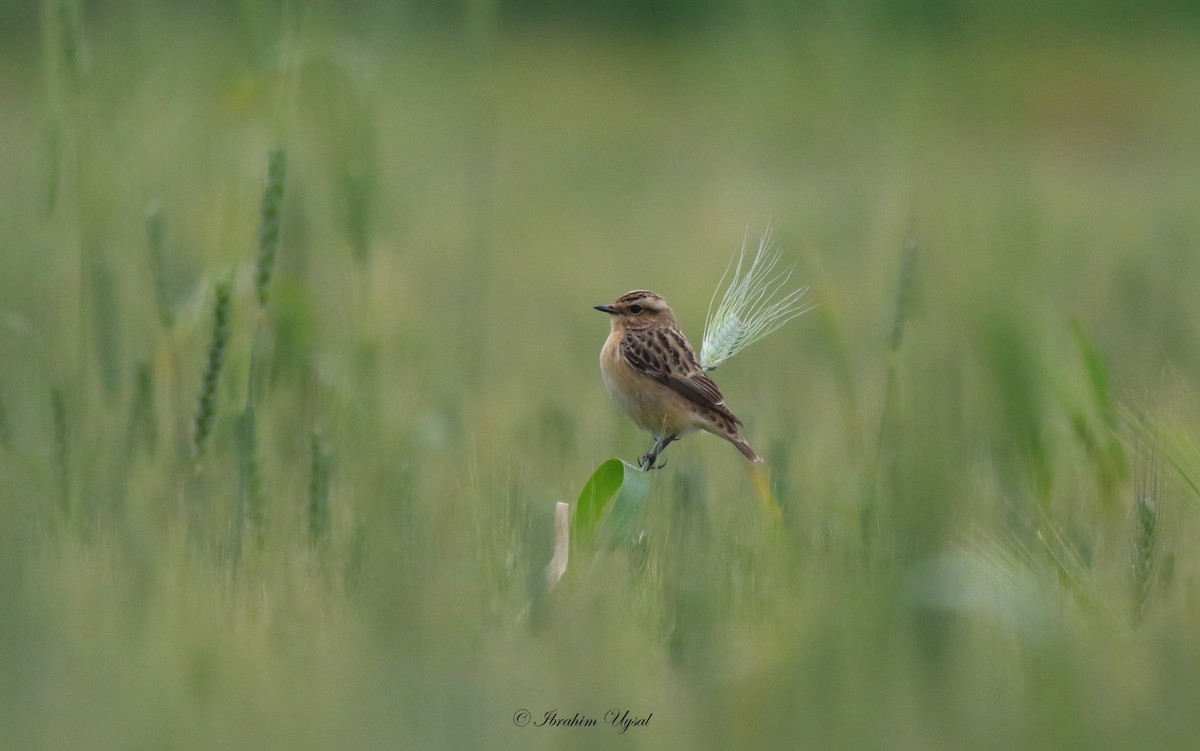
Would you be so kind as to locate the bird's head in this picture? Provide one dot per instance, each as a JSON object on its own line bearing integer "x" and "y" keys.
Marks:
{"x": 638, "y": 309}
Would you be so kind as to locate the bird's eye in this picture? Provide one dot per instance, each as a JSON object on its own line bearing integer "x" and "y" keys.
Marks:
{"x": 635, "y": 309}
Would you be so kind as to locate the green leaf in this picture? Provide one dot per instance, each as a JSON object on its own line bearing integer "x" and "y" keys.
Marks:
{"x": 597, "y": 492}
{"x": 1097, "y": 374}
{"x": 616, "y": 484}
{"x": 629, "y": 509}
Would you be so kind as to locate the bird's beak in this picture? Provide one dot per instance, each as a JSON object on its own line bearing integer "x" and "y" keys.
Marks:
{"x": 607, "y": 309}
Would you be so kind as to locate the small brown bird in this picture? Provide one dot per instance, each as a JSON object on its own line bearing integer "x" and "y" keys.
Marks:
{"x": 652, "y": 374}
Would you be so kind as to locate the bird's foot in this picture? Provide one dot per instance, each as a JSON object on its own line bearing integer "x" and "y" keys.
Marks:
{"x": 649, "y": 459}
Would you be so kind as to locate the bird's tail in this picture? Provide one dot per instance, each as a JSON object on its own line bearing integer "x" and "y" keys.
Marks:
{"x": 744, "y": 447}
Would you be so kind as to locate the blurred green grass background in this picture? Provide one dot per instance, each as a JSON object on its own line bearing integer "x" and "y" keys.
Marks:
{"x": 987, "y": 474}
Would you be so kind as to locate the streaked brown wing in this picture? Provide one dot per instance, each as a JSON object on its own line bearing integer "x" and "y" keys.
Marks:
{"x": 666, "y": 357}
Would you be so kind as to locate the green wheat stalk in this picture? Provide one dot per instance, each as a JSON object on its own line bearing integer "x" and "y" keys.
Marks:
{"x": 156, "y": 242}
{"x": 751, "y": 306}
{"x": 905, "y": 292}
{"x": 905, "y": 297}
{"x": 54, "y": 159}
{"x": 251, "y": 504}
{"x": 142, "y": 424}
{"x": 5, "y": 430}
{"x": 62, "y": 456}
{"x": 1146, "y": 506}
{"x": 269, "y": 222}
{"x": 70, "y": 38}
{"x": 206, "y": 404}
{"x": 106, "y": 326}
{"x": 69, "y": 136}
{"x": 253, "y": 509}
{"x": 906, "y": 284}
{"x": 318, "y": 489}
{"x": 156, "y": 245}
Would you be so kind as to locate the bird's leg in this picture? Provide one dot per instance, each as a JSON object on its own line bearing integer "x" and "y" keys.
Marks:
{"x": 660, "y": 444}
{"x": 650, "y": 457}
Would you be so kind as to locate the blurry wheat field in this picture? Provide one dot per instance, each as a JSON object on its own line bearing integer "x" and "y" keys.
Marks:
{"x": 983, "y": 447}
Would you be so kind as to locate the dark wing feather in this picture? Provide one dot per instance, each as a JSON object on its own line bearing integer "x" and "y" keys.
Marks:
{"x": 666, "y": 357}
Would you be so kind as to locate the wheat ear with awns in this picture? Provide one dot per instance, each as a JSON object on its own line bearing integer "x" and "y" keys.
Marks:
{"x": 752, "y": 306}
